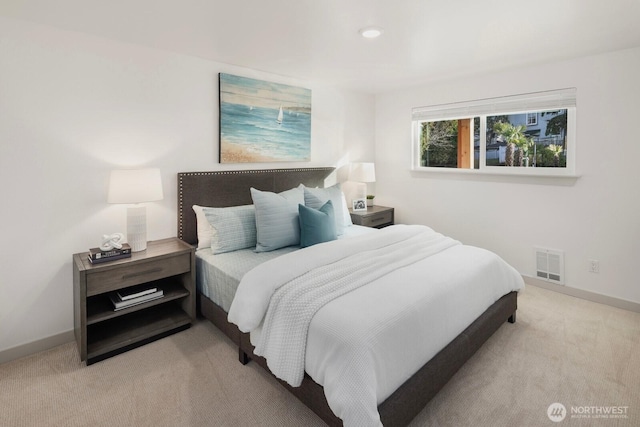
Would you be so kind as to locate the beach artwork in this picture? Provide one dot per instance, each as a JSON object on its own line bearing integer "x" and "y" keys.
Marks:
{"x": 263, "y": 122}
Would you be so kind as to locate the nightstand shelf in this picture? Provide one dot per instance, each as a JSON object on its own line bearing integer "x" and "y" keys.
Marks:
{"x": 100, "y": 307}
{"x": 124, "y": 332}
{"x": 375, "y": 216}
{"x": 102, "y": 332}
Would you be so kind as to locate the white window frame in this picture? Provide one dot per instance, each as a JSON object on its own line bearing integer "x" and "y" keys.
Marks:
{"x": 533, "y": 122}
{"x": 517, "y": 104}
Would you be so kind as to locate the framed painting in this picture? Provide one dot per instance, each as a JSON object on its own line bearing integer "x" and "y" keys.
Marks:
{"x": 262, "y": 121}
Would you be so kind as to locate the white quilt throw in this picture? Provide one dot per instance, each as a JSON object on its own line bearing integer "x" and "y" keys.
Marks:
{"x": 363, "y": 344}
{"x": 283, "y": 340}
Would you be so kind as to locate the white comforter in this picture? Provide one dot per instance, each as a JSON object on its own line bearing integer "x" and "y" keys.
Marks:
{"x": 363, "y": 345}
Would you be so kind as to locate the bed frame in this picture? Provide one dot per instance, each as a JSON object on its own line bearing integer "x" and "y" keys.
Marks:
{"x": 231, "y": 188}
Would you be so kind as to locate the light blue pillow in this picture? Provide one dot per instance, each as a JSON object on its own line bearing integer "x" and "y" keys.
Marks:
{"x": 316, "y": 197}
{"x": 277, "y": 223}
{"x": 317, "y": 225}
{"x": 234, "y": 228}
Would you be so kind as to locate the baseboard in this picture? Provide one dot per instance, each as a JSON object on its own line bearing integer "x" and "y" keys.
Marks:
{"x": 36, "y": 346}
{"x": 580, "y": 293}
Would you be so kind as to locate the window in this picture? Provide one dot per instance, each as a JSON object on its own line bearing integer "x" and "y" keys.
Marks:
{"x": 448, "y": 143}
{"x": 530, "y": 134}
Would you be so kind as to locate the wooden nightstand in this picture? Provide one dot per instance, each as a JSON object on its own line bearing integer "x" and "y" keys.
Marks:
{"x": 374, "y": 216}
{"x": 101, "y": 332}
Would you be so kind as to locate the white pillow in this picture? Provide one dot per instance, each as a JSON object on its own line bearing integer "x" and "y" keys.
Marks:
{"x": 234, "y": 228}
{"x": 316, "y": 197}
{"x": 203, "y": 228}
{"x": 277, "y": 222}
{"x": 345, "y": 210}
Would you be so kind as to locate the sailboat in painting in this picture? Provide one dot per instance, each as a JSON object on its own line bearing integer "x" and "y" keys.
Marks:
{"x": 280, "y": 116}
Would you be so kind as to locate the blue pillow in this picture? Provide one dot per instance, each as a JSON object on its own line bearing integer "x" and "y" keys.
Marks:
{"x": 277, "y": 218}
{"x": 316, "y": 226}
{"x": 316, "y": 197}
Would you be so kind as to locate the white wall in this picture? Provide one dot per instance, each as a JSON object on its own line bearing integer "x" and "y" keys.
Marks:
{"x": 73, "y": 107}
{"x": 595, "y": 217}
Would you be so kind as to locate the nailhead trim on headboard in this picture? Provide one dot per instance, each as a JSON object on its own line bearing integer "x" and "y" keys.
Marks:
{"x": 182, "y": 175}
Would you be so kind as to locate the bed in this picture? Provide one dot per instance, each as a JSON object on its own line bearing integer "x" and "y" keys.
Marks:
{"x": 231, "y": 188}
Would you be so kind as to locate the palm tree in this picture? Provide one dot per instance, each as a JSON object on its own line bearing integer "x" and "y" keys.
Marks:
{"x": 523, "y": 150}
{"x": 556, "y": 150}
{"x": 513, "y": 136}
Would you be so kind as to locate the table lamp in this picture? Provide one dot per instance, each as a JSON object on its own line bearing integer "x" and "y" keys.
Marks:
{"x": 135, "y": 186}
{"x": 363, "y": 173}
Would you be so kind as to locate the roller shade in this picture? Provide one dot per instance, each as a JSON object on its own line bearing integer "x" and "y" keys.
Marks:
{"x": 529, "y": 102}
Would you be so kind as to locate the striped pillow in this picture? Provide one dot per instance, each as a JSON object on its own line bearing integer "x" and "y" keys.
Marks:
{"x": 277, "y": 218}
{"x": 316, "y": 197}
{"x": 234, "y": 228}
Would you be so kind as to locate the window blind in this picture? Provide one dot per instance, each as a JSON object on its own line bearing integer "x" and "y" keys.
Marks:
{"x": 537, "y": 101}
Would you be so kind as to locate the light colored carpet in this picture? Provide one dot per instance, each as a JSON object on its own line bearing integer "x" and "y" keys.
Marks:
{"x": 562, "y": 349}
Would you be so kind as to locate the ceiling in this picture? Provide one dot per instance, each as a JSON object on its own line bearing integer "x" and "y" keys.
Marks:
{"x": 318, "y": 40}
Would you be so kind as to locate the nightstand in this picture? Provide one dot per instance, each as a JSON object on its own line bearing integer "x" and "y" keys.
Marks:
{"x": 374, "y": 216}
{"x": 101, "y": 332}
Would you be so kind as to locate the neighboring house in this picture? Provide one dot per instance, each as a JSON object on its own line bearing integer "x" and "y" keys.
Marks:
{"x": 536, "y": 123}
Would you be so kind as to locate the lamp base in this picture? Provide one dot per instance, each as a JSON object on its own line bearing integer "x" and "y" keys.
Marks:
{"x": 362, "y": 190}
{"x": 137, "y": 228}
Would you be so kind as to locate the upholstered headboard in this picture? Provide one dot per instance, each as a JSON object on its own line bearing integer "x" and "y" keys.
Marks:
{"x": 231, "y": 188}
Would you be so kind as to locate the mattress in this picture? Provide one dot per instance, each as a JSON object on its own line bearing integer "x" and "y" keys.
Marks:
{"x": 218, "y": 276}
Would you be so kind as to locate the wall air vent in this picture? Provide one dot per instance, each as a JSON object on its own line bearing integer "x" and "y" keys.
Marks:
{"x": 550, "y": 265}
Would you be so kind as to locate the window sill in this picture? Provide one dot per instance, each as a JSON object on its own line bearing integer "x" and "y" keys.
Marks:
{"x": 518, "y": 175}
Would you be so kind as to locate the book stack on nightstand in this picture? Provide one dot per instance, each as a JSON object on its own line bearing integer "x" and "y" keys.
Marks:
{"x": 98, "y": 256}
{"x": 135, "y": 295}
{"x": 374, "y": 216}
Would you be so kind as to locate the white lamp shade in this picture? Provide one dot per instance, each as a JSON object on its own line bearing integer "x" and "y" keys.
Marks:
{"x": 362, "y": 172}
{"x": 135, "y": 186}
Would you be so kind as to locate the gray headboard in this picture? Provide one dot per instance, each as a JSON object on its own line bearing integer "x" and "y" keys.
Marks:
{"x": 231, "y": 188}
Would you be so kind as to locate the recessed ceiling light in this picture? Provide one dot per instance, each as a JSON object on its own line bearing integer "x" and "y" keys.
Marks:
{"x": 371, "y": 32}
